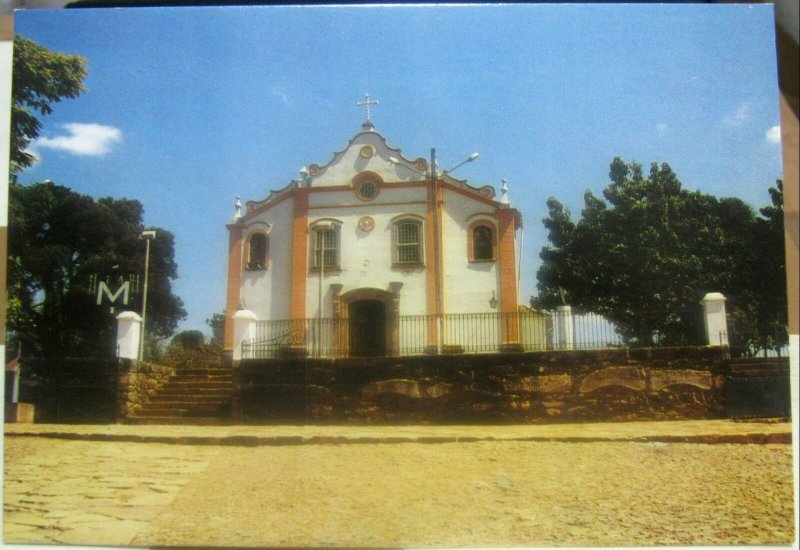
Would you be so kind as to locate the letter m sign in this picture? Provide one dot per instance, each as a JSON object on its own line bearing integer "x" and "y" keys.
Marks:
{"x": 102, "y": 289}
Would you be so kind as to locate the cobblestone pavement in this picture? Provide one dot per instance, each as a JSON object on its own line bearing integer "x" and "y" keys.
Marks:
{"x": 73, "y": 492}
{"x": 499, "y": 492}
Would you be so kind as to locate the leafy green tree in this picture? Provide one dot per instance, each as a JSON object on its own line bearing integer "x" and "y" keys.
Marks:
{"x": 758, "y": 320}
{"x": 189, "y": 339}
{"x": 40, "y": 77}
{"x": 217, "y": 324}
{"x": 188, "y": 349}
{"x": 646, "y": 253}
{"x": 61, "y": 244}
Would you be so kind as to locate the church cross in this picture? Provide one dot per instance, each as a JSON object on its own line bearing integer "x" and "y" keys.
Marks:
{"x": 366, "y": 103}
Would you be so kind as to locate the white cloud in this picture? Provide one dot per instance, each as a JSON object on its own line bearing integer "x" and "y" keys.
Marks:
{"x": 662, "y": 128}
{"x": 773, "y": 135}
{"x": 94, "y": 140}
{"x": 741, "y": 115}
{"x": 277, "y": 92}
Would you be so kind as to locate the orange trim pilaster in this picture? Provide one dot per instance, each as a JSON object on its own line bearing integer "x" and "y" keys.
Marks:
{"x": 440, "y": 247}
{"x": 439, "y": 253}
{"x": 297, "y": 307}
{"x": 431, "y": 260}
{"x": 507, "y": 267}
{"x": 233, "y": 298}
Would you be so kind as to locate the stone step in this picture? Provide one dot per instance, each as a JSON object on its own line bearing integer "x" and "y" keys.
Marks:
{"x": 179, "y": 420}
{"x": 169, "y": 405}
{"x": 174, "y": 412}
{"x": 202, "y": 378}
{"x": 196, "y": 386}
{"x": 203, "y": 371}
{"x": 198, "y": 396}
{"x": 178, "y": 392}
{"x": 199, "y": 384}
{"x": 184, "y": 397}
{"x": 207, "y": 397}
{"x": 220, "y": 371}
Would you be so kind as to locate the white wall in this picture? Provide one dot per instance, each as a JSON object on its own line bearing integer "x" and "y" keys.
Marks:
{"x": 468, "y": 285}
{"x": 366, "y": 256}
{"x": 267, "y": 293}
{"x": 349, "y": 162}
{"x": 345, "y": 198}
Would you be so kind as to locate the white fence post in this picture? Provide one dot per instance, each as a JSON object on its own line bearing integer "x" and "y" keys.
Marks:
{"x": 129, "y": 330}
{"x": 244, "y": 329}
{"x": 715, "y": 319}
{"x": 564, "y": 329}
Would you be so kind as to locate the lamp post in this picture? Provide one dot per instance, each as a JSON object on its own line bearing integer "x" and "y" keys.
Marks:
{"x": 147, "y": 236}
{"x": 437, "y": 238}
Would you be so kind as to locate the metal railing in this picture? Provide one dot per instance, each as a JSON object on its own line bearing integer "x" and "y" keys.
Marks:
{"x": 417, "y": 334}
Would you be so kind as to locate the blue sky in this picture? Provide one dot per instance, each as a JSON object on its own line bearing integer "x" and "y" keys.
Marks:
{"x": 188, "y": 108}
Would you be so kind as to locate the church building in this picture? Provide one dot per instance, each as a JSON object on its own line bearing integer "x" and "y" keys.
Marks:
{"x": 375, "y": 253}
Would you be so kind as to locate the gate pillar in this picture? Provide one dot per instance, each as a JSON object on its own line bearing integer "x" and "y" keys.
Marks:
{"x": 244, "y": 330}
{"x": 715, "y": 319}
{"x": 129, "y": 331}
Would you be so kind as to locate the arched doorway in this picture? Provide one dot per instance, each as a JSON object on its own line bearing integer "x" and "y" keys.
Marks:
{"x": 367, "y": 328}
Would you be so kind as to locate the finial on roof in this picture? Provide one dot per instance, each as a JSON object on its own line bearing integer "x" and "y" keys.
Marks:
{"x": 504, "y": 192}
{"x": 238, "y": 205}
{"x": 368, "y": 126}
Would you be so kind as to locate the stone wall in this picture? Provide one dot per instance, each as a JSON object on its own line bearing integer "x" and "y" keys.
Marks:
{"x": 74, "y": 390}
{"x": 619, "y": 384}
{"x": 758, "y": 387}
{"x": 137, "y": 382}
{"x": 88, "y": 390}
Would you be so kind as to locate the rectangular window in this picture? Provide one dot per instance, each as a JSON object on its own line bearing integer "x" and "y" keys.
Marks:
{"x": 326, "y": 248}
{"x": 258, "y": 250}
{"x": 482, "y": 243}
{"x": 408, "y": 247}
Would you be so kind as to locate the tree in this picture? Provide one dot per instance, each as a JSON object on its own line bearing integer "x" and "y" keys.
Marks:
{"x": 61, "y": 244}
{"x": 40, "y": 77}
{"x": 645, "y": 254}
{"x": 189, "y": 339}
{"x": 758, "y": 320}
{"x": 217, "y": 324}
{"x": 188, "y": 349}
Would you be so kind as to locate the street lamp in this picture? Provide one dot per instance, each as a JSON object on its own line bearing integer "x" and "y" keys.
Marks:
{"x": 473, "y": 156}
{"x": 470, "y": 158}
{"x": 147, "y": 236}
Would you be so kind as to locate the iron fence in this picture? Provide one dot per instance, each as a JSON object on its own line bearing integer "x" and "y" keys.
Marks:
{"x": 417, "y": 334}
{"x": 748, "y": 339}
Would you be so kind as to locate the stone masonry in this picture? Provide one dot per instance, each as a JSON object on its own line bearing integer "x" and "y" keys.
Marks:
{"x": 618, "y": 384}
{"x": 137, "y": 383}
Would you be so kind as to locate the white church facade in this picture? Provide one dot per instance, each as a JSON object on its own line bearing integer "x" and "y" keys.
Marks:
{"x": 374, "y": 253}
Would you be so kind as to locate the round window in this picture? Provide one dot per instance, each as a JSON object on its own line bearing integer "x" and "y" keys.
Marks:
{"x": 367, "y": 190}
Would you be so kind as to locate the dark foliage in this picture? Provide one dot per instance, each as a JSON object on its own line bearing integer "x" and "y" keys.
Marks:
{"x": 61, "y": 244}
{"x": 646, "y": 253}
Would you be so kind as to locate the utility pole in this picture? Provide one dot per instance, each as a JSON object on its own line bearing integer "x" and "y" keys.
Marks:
{"x": 147, "y": 236}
